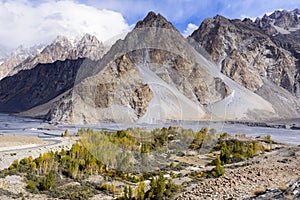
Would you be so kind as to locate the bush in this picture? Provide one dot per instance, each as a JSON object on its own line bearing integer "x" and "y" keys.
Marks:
{"x": 48, "y": 182}
{"x": 218, "y": 170}
{"x": 31, "y": 185}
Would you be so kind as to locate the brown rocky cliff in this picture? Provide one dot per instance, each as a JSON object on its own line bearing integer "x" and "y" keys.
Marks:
{"x": 246, "y": 53}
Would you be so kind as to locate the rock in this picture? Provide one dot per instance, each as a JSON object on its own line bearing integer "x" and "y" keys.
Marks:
{"x": 262, "y": 56}
{"x": 31, "y": 88}
{"x": 292, "y": 191}
{"x": 245, "y": 53}
{"x": 140, "y": 99}
{"x": 60, "y": 49}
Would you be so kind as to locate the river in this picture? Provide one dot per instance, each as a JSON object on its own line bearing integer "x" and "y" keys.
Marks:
{"x": 11, "y": 125}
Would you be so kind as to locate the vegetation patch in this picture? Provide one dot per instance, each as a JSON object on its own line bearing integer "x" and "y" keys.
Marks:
{"x": 133, "y": 163}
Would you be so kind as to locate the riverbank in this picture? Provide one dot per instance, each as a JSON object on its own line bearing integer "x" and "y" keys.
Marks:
{"x": 14, "y": 147}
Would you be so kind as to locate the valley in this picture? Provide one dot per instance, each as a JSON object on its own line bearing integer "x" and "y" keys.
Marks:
{"x": 157, "y": 114}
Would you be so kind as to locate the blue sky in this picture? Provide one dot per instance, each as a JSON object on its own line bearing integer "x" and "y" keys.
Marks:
{"x": 183, "y": 12}
{"x": 30, "y": 22}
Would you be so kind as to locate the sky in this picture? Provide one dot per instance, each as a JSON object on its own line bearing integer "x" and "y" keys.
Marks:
{"x": 30, "y": 22}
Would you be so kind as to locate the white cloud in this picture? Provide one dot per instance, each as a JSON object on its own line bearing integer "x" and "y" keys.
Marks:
{"x": 181, "y": 12}
{"x": 243, "y": 16}
{"x": 22, "y": 22}
{"x": 190, "y": 29}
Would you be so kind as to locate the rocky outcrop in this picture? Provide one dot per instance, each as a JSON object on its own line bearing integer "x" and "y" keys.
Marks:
{"x": 246, "y": 53}
{"x": 284, "y": 29}
{"x": 118, "y": 89}
{"x": 140, "y": 100}
{"x": 60, "y": 110}
{"x": 290, "y": 190}
{"x": 154, "y": 20}
{"x": 279, "y": 22}
{"x": 181, "y": 84}
{"x": 60, "y": 49}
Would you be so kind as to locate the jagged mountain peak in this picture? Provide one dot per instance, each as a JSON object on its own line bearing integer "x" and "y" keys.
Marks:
{"x": 280, "y": 22}
{"x": 61, "y": 48}
{"x": 220, "y": 18}
{"x": 62, "y": 40}
{"x": 88, "y": 39}
{"x": 154, "y": 20}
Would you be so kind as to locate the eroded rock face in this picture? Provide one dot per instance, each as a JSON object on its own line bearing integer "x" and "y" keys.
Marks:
{"x": 61, "y": 110}
{"x": 117, "y": 93}
{"x": 140, "y": 99}
{"x": 246, "y": 53}
{"x": 184, "y": 74}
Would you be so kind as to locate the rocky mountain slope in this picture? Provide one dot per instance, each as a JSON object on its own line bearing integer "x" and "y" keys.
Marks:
{"x": 262, "y": 56}
{"x": 30, "y": 88}
{"x": 154, "y": 75}
{"x": 60, "y": 49}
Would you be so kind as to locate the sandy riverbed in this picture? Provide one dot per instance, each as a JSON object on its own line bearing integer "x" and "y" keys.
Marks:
{"x": 9, "y": 142}
{"x": 18, "y": 147}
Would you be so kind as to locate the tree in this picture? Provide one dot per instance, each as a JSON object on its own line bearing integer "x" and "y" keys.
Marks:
{"x": 250, "y": 151}
{"x": 218, "y": 170}
{"x": 130, "y": 192}
{"x": 123, "y": 160}
{"x": 157, "y": 188}
{"x": 270, "y": 141}
{"x": 144, "y": 155}
{"x": 48, "y": 182}
{"x": 140, "y": 191}
{"x": 160, "y": 187}
{"x": 224, "y": 154}
{"x": 125, "y": 192}
{"x": 66, "y": 134}
{"x": 33, "y": 166}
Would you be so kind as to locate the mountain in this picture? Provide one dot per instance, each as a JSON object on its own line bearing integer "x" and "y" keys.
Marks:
{"x": 16, "y": 57}
{"x": 226, "y": 70}
{"x": 262, "y": 56}
{"x": 3, "y": 54}
{"x": 60, "y": 49}
{"x": 30, "y": 88}
{"x": 153, "y": 75}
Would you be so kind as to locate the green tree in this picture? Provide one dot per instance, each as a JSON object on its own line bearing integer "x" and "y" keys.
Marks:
{"x": 66, "y": 133}
{"x": 218, "y": 170}
{"x": 140, "y": 191}
{"x": 157, "y": 188}
{"x": 130, "y": 192}
{"x": 125, "y": 192}
{"x": 250, "y": 151}
{"x": 48, "y": 182}
{"x": 224, "y": 154}
{"x": 270, "y": 141}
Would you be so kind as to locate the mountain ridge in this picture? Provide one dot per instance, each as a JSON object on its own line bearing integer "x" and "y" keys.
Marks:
{"x": 154, "y": 74}
{"x": 61, "y": 48}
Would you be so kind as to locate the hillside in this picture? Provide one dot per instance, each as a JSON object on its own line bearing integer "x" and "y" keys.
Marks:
{"x": 155, "y": 75}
